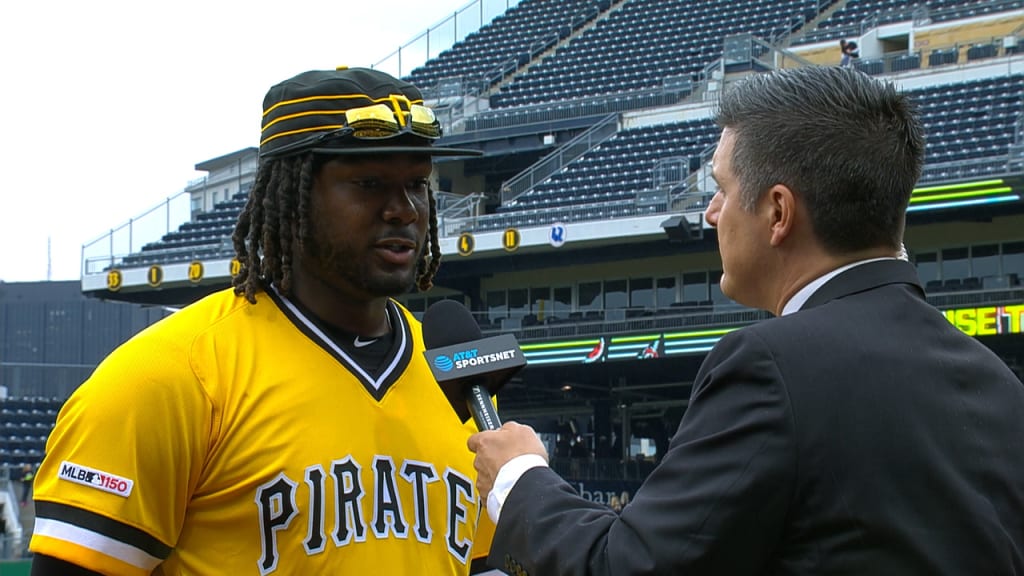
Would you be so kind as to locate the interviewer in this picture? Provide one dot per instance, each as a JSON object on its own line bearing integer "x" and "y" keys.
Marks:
{"x": 858, "y": 432}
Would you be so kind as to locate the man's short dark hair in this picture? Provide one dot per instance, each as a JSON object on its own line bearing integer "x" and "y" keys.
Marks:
{"x": 850, "y": 146}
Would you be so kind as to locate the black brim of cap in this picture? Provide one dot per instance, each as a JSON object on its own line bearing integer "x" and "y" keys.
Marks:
{"x": 426, "y": 150}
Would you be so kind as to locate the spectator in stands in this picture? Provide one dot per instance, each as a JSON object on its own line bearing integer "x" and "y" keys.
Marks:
{"x": 858, "y": 432}
{"x": 27, "y": 475}
{"x": 291, "y": 424}
{"x": 850, "y": 52}
{"x": 562, "y": 446}
{"x": 603, "y": 448}
{"x": 580, "y": 454}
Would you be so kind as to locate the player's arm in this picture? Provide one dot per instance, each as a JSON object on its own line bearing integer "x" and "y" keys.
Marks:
{"x": 43, "y": 565}
{"x": 118, "y": 511}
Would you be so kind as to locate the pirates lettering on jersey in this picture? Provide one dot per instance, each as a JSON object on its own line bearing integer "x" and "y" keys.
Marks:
{"x": 348, "y": 496}
{"x": 277, "y": 506}
{"x": 460, "y": 489}
{"x": 276, "y": 501}
{"x": 419, "y": 474}
{"x": 315, "y": 535}
{"x": 387, "y": 506}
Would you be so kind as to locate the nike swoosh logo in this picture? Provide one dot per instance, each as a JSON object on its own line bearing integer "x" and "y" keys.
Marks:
{"x": 361, "y": 343}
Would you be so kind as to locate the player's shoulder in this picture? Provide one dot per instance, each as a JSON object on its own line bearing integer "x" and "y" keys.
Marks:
{"x": 202, "y": 315}
{"x": 173, "y": 335}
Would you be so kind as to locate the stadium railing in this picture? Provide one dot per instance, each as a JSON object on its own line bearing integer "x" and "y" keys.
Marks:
{"x": 611, "y": 322}
{"x": 441, "y": 36}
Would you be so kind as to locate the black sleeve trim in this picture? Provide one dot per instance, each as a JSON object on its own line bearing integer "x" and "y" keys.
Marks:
{"x": 103, "y": 525}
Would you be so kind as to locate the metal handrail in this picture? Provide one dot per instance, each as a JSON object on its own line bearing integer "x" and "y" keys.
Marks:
{"x": 563, "y": 155}
{"x": 456, "y": 204}
{"x": 399, "y": 64}
{"x": 131, "y": 236}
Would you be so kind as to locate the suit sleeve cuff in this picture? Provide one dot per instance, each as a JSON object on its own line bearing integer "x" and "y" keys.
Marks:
{"x": 507, "y": 477}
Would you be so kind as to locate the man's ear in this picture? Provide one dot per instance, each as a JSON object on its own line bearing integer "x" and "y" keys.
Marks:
{"x": 781, "y": 212}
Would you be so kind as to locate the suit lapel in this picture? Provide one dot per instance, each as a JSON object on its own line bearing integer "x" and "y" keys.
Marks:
{"x": 865, "y": 277}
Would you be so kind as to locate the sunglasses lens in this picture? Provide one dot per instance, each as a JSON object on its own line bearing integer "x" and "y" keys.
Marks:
{"x": 377, "y": 121}
{"x": 424, "y": 123}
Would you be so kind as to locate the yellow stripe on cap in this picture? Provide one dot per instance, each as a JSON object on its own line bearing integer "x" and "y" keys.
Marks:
{"x": 317, "y": 97}
{"x": 302, "y": 131}
{"x": 389, "y": 98}
{"x": 306, "y": 113}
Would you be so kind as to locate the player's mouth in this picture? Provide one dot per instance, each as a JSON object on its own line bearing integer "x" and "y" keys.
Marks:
{"x": 396, "y": 251}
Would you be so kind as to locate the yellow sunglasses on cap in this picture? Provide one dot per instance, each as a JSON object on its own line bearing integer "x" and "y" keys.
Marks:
{"x": 376, "y": 122}
{"x": 380, "y": 121}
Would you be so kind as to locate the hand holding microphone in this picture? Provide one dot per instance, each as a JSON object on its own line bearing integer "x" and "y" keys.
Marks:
{"x": 468, "y": 367}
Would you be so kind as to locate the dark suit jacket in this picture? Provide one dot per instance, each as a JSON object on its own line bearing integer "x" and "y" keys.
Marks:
{"x": 863, "y": 434}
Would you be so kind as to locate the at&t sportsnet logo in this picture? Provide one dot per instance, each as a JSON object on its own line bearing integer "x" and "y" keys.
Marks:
{"x": 95, "y": 478}
{"x": 471, "y": 357}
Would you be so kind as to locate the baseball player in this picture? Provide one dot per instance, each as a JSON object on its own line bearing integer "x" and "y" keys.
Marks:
{"x": 289, "y": 425}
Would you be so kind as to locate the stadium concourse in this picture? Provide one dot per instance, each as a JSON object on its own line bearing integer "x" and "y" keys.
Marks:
{"x": 580, "y": 229}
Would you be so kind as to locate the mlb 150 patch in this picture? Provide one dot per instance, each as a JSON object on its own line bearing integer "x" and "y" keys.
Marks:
{"x": 94, "y": 478}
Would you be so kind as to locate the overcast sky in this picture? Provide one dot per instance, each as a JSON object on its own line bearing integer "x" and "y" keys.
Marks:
{"x": 107, "y": 105}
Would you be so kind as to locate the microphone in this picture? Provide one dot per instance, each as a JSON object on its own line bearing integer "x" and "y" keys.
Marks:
{"x": 468, "y": 367}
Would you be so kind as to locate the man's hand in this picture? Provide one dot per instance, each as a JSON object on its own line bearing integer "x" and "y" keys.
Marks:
{"x": 494, "y": 448}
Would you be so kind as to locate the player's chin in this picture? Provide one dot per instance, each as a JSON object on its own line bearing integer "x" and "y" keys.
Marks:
{"x": 391, "y": 282}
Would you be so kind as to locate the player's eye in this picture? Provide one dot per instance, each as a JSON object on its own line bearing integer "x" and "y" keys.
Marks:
{"x": 367, "y": 183}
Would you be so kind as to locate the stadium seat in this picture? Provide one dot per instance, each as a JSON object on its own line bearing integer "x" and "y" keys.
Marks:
{"x": 642, "y": 42}
{"x": 971, "y": 283}
{"x": 846, "y": 21}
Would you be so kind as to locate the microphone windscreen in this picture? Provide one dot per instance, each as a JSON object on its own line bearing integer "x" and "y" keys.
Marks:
{"x": 446, "y": 323}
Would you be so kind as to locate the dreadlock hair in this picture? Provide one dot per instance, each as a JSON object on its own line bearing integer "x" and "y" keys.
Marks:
{"x": 277, "y": 213}
{"x": 427, "y": 266}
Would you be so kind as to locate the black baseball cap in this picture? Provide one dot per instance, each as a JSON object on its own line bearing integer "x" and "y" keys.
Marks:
{"x": 349, "y": 111}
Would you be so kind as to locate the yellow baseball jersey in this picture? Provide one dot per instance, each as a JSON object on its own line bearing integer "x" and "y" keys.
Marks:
{"x": 238, "y": 438}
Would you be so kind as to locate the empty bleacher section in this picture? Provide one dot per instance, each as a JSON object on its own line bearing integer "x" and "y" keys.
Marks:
{"x": 509, "y": 41}
{"x": 964, "y": 121}
{"x": 643, "y": 42}
{"x": 619, "y": 168}
{"x": 851, "y": 18}
{"x": 25, "y": 424}
{"x": 205, "y": 236}
{"x": 970, "y": 120}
